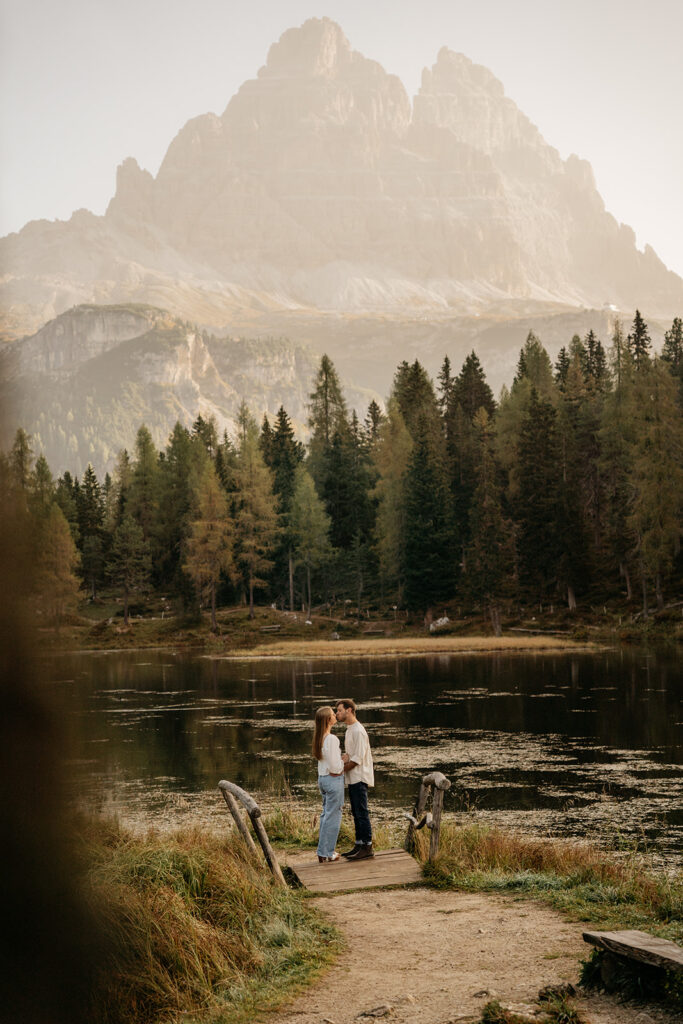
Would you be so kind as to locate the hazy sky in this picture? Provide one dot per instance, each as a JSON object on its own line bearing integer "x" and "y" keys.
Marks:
{"x": 86, "y": 83}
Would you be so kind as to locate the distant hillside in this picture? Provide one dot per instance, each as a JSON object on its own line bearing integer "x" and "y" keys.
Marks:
{"x": 86, "y": 381}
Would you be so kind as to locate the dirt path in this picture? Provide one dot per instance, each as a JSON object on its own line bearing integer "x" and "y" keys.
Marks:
{"x": 437, "y": 957}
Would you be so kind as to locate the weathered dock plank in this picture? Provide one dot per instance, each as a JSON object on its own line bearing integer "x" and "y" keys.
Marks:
{"x": 640, "y": 946}
{"x": 387, "y": 867}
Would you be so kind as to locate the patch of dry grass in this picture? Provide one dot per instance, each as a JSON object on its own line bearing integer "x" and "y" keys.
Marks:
{"x": 394, "y": 646}
{"x": 192, "y": 924}
{"x": 585, "y": 882}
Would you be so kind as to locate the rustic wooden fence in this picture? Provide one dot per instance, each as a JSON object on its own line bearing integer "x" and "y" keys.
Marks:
{"x": 435, "y": 785}
{"x": 231, "y": 794}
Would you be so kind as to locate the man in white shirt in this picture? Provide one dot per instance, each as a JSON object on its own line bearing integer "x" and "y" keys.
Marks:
{"x": 359, "y": 774}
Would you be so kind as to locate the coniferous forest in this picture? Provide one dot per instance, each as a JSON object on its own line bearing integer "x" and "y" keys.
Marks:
{"x": 566, "y": 491}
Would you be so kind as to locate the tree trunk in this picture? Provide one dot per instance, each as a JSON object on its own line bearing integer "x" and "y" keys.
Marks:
{"x": 251, "y": 598}
{"x": 125, "y": 606}
{"x": 623, "y": 569}
{"x": 214, "y": 624}
{"x": 571, "y": 598}
{"x": 291, "y": 581}
{"x": 658, "y": 590}
{"x": 645, "y": 608}
{"x": 308, "y": 587}
{"x": 494, "y": 612}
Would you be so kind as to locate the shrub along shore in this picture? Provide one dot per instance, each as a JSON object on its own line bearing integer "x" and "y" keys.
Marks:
{"x": 193, "y": 924}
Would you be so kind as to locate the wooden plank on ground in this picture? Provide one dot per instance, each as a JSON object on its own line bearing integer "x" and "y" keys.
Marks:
{"x": 640, "y": 946}
{"x": 387, "y": 867}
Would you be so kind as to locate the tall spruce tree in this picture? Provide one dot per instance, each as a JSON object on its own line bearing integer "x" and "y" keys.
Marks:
{"x": 537, "y": 499}
{"x": 471, "y": 390}
{"x": 308, "y": 528}
{"x": 327, "y": 418}
{"x": 256, "y": 516}
{"x": 391, "y": 457}
{"x": 490, "y": 553}
{"x": 144, "y": 492}
{"x": 430, "y": 537}
{"x": 286, "y": 454}
{"x": 656, "y": 477}
{"x": 90, "y": 508}
{"x": 639, "y": 342}
{"x": 129, "y": 564}
{"x": 672, "y": 353}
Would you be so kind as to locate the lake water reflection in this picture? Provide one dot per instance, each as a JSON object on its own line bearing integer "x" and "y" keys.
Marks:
{"x": 587, "y": 744}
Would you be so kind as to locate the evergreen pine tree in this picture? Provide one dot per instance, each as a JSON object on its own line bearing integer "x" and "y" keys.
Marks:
{"x": 537, "y": 499}
{"x": 144, "y": 495}
{"x": 470, "y": 389}
{"x": 445, "y": 386}
{"x": 373, "y": 421}
{"x": 21, "y": 461}
{"x": 256, "y": 513}
{"x": 672, "y": 353}
{"x": 207, "y": 434}
{"x": 327, "y": 417}
{"x": 656, "y": 476}
{"x": 266, "y": 441}
{"x": 429, "y": 545}
{"x": 639, "y": 342}
{"x": 286, "y": 455}
{"x": 561, "y": 368}
{"x": 129, "y": 560}
{"x": 391, "y": 458}
{"x": 308, "y": 528}
{"x": 490, "y": 553}
{"x": 90, "y": 527}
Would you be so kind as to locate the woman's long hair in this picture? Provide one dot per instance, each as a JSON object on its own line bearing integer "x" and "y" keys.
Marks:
{"x": 322, "y": 717}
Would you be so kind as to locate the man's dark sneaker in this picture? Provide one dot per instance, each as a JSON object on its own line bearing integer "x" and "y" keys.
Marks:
{"x": 353, "y": 852}
{"x": 363, "y": 852}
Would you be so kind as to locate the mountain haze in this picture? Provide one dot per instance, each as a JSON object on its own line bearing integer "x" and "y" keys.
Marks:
{"x": 322, "y": 190}
{"x": 84, "y": 383}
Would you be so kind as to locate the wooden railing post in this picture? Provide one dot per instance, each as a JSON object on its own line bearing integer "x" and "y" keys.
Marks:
{"x": 239, "y": 820}
{"x": 230, "y": 791}
{"x": 418, "y": 819}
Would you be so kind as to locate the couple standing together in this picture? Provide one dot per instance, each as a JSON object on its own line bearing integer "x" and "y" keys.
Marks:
{"x": 354, "y": 767}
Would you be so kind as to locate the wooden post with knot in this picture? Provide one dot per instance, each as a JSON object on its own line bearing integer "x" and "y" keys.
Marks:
{"x": 438, "y": 784}
{"x": 232, "y": 793}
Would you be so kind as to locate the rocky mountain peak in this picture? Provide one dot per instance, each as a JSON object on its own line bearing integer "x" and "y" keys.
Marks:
{"x": 470, "y": 101}
{"x": 317, "y": 48}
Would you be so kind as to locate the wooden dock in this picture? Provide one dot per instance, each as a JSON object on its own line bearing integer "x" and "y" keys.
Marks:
{"x": 387, "y": 867}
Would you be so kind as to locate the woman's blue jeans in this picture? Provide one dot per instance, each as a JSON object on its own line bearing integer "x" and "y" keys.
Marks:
{"x": 332, "y": 791}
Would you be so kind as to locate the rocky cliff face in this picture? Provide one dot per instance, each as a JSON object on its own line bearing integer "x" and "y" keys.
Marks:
{"x": 322, "y": 188}
{"x": 87, "y": 380}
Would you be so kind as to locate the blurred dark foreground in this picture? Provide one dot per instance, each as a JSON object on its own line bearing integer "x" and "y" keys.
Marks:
{"x": 48, "y": 944}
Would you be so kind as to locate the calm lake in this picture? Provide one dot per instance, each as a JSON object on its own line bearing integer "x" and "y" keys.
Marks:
{"x": 572, "y": 744}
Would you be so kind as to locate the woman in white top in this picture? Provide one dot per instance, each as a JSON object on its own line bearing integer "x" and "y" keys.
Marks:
{"x": 330, "y": 783}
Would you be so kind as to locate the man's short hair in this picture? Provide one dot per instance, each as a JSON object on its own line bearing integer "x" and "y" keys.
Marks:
{"x": 347, "y": 703}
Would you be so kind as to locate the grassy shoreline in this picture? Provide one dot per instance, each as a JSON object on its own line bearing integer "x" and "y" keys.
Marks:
{"x": 194, "y": 924}
{"x": 274, "y": 633}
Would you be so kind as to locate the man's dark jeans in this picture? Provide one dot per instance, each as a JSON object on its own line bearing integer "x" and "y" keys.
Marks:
{"x": 358, "y": 797}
